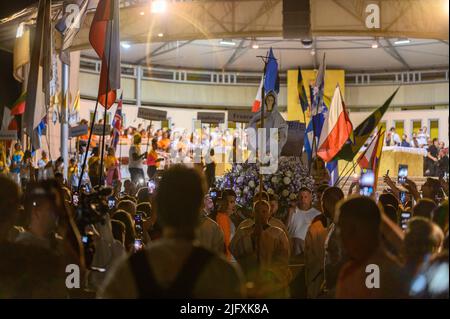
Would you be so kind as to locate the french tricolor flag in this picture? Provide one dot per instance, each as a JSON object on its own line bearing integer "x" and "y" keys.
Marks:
{"x": 257, "y": 103}
{"x": 336, "y": 130}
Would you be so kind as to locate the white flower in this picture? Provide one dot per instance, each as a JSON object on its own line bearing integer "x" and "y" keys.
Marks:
{"x": 286, "y": 180}
{"x": 288, "y": 173}
{"x": 285, "y": 193}
{"x": 246, "y": 189}
{"x": 251, "y": 184}
{"x": 292, "y": 196}
{"x": 274, "y": 180}
{"x": 270, "y": 191}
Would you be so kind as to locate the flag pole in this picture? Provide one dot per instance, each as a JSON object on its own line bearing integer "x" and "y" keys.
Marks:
{"x": 148, "y": 137}
{"x": 357, "y": 161}
{"x": 88, "y": 145}
{"x": 106, "y": 104}
{"x": 263, "y": 93}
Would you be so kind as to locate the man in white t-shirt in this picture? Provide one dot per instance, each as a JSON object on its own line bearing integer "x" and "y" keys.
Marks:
{"x": 300, "y": 219}
{"x": 422, "y": 137}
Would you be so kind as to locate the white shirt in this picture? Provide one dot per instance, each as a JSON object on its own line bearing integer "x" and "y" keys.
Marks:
{"x": 131, "y": 162}
{"x": 299, "y": 222}
{"x": 396, "y": 139}
{"x": 422, "y": 139}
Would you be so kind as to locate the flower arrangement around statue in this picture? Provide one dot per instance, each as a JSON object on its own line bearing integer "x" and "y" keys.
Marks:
{"x": 290, "y": 176}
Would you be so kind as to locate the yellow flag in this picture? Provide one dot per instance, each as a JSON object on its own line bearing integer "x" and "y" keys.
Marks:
{"x": 76, "y": 103}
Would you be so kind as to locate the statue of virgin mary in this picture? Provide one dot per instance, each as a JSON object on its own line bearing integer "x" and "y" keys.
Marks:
{"x": 272, "y": 119}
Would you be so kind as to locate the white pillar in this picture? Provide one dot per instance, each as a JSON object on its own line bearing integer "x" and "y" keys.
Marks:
{"x": 138, "y": 85}
{"x": 64, "y": 117}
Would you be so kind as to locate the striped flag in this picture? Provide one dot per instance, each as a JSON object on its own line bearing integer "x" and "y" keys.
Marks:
{"x": 257, "y": 103}
{"x": 370, "y": 159}
{"x": 117, "y": 124}
{"x": 336, "y": 130}
{"x": 105, "y": 40}
{"x": 318, "y": 113}
{"x": 363, "y": 132}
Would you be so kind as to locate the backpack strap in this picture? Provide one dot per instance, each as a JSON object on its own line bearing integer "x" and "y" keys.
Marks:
{"x": 144, "y": 279}
{"x": 184, "y": 284}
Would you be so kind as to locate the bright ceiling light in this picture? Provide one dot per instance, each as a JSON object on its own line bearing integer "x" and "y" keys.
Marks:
{"x": 229, "y": 43}
{"x": 160, "y": 35}
{"x": 159, "y": 6}
{"x": 374, "y": 45}
{"x": 255, "y": 46}
{"x": 142, "y": 13}
{"x": 125, "y": 45}
{"x": 402, "y": 41}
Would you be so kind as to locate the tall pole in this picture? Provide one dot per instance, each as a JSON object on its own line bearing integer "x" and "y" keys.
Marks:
{"x": 263, "y": 137}
{"x": 64, "y": 117}
{"x": 106, "y": 108}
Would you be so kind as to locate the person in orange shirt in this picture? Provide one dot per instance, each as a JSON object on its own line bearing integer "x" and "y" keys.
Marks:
{"x": 152, "y": 160}
{"x": 164, "y": 143}
{"x": 226, "y": 207}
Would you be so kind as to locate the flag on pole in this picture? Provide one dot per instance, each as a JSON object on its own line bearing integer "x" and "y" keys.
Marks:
{"x": 76, "y": 103}
{"x": 271, "y": 78}
{"x": 332, "y": 168}
{"x": 337, "y": 128}
{"x": 370, "y": 159}
{"x": 70, "y": 24}
{"x": 257, "y": 103}
{"x": 105, "y": 40}
{"x": 117, "y": 123}
{"x": 38, "y": 87}
{"x": 303, "y": 98}
{"x": 318, "y": 114}
{"x": 18, "y": 107}
{"x": 363, "y": 131}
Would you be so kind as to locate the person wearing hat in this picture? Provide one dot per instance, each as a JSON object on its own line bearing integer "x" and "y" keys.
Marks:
{"x": 135, "y": 165}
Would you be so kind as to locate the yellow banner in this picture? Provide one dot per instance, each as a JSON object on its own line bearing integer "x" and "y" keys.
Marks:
{"x": 332, "y": 78}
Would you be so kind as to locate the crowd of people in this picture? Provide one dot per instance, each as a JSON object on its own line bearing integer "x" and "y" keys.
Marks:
{"x": 178, "y": 239}
{"x": 436, "y": 160}
{"x": 148, "y": 150}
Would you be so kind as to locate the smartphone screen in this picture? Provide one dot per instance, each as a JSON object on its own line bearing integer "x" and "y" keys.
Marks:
{"x": 111, "y": 202}
{"x": 402, "y": 173}
{"x": 402, "y": 196}
{"x": 151, "y": 186}
{"x": 75, "y": 199}
{"x": 138, "y": 245}
{"x": 367, "y": 182}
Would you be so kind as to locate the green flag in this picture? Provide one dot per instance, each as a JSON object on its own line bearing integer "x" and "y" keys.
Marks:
{"x": 363, "y": 131}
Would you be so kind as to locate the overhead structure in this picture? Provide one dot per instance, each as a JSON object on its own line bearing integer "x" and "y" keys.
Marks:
{"x": 194, "y": 20}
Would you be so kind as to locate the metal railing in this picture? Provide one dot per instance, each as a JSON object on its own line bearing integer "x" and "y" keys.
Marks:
{"x": 253, "y": 78}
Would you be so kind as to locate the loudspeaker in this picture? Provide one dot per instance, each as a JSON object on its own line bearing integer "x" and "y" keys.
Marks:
{"x": 296, "y": 19}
